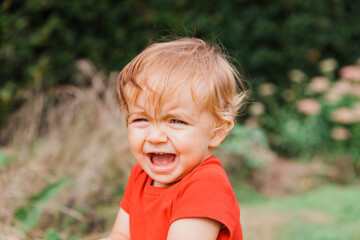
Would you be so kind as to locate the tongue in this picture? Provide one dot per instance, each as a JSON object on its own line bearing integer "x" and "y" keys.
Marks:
{"x": 162, "y": 159}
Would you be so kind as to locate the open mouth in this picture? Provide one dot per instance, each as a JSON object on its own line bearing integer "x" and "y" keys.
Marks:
{"x": 162, "y": 161}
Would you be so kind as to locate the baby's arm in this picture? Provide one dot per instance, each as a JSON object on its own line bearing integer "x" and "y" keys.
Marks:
{"x": 120, "y": 229}
{"x": 194, "y": 229}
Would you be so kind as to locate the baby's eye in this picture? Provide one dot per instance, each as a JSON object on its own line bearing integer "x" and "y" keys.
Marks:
{"x": 177, "y": 121}
{"x": 140, "y": 120}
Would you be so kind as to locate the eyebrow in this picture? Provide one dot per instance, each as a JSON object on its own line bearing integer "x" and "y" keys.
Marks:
{"x": 137, "y": 112}
{"x": 181, "y": 114}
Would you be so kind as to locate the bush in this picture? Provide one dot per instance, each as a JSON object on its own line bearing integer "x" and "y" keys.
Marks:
{"x": 41, "y": 40}
{"x": 320, "y": 116}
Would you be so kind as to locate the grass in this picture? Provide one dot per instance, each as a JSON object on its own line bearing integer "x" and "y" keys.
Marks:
{"x": 328, "y": 213}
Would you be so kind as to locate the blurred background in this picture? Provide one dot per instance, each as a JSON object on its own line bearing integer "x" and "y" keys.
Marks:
{"x": 293, "y": 158}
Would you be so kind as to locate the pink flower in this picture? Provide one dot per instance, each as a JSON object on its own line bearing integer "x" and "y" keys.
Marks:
{"x": 319, "y": 84}
{"x": 338, "y": 90}
{"x": 340, "y": 133}
{"x": 267, "y": 89}
{"x": 252, "y": 122}
{"x": 343, "y": 115}
{"x": 257, "y": 109}
{"x": 309, "y": 106}
{"x": 351, "y": 72}
{"x": 328, "y": 65}
{"x": 342, "y": 87}
{"x": 332, "y": 96}
{"x": 297, "y": 75}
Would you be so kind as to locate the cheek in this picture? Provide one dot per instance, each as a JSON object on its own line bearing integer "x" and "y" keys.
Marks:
{"x": 134, "y": 139}
{"x": 180, "y": 137}
{"x": 188, "y": 142}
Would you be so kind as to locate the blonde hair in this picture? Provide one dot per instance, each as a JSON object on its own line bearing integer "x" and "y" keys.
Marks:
{"x": 165, "y": 68}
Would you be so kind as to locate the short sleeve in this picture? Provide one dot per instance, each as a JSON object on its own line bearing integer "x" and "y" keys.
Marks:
{"x": 125, "y": 201}
{"x": 208, "y": 194}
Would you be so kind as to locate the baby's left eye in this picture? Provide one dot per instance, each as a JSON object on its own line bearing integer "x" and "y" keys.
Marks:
{"x": 177, "y": 121}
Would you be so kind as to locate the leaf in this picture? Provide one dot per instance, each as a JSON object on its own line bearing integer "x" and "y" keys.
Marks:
{"x": 48, "y": 192}
{"x": 4, "y": 159}
{"x": 51, "y": 234}
{"x": 29, "y": 216}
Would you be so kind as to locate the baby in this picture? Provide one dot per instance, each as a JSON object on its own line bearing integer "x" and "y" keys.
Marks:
{"x": 180, "y": 99}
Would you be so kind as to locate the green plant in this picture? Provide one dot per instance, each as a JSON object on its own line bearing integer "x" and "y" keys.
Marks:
{"x": 247, "y": 142}
{"x": 4, "y": 159}
{"x": 51, "y": 234}
{"x": 317, "y": 116}
{"x": 41, "y": 40}
{"x": 29, "y": 215}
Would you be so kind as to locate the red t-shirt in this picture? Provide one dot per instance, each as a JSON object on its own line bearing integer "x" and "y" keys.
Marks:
{"x": 204, "y": 192}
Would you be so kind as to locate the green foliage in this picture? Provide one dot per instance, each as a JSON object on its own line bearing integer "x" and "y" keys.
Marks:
{"x": 29, "y": 215}
{"x": 4, "y": 159}
{"x": 344, "y": 231}
{"x": 342, "y": 205}
{"x": 342, "y": 208}
{"x": 326, "y": 213}
{"x": 314, "y": 116}
{"x": 40, "y": 40}
{"x": 244, "y": 142}
{"x": 245, "y": 193}
{"x": 291, "y": 133}
{"x": 51, "y": 234}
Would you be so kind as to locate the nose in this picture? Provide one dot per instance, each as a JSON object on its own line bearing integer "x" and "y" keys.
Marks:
{"x": 156, "y": 134}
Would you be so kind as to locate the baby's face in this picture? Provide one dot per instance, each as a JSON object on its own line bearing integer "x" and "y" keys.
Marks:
{"x": 172, "y": 142}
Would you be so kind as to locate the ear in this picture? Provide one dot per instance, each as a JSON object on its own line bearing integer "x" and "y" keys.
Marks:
{"x": 220, "y": 132}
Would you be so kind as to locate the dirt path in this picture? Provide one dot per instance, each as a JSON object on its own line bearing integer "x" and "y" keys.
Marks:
{"x": 262, "y": 225}
{"x": 266, "y": 224}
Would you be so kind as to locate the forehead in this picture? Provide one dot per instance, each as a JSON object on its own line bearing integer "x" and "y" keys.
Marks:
{"x": 163, "y": 99}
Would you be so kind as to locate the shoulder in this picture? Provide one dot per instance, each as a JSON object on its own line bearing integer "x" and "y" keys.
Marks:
{"x": 137, "y": 174}
{"x": 137, "y": 171}
{"x": 211, "y": 169}
{"x": 207, "y": 181}
{"x": 136, "y": 179}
